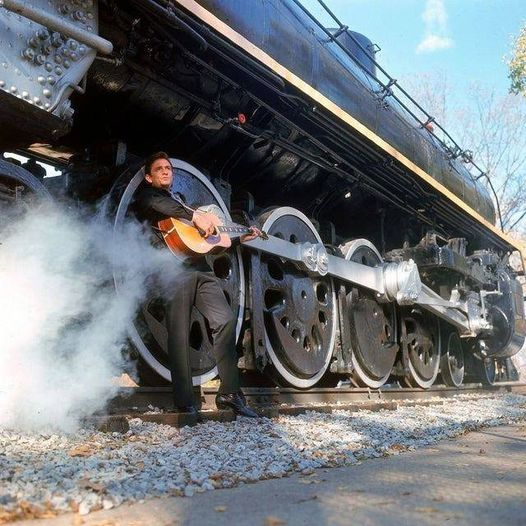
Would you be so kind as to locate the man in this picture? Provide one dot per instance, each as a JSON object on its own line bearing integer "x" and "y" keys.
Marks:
{"x": 196, "y": 286}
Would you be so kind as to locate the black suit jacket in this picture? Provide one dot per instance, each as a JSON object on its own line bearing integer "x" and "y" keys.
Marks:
{"x": 155, "y": 204}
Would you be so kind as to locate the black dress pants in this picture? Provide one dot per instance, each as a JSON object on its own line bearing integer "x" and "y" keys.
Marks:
{"x": 202, "y": 290}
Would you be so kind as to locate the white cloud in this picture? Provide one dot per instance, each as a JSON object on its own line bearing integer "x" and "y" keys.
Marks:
{"x": 435, "y": 28}
{"x": 435, "y": 14}
{"x": 434, "y": 43}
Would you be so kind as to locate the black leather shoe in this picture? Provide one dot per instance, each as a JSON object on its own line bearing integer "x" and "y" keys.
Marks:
{"x": 236, "y": 402}
{"x": 189, "y": 410}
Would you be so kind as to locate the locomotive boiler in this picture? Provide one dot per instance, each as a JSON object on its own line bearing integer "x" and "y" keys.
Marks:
{"x": 383, "y": 259}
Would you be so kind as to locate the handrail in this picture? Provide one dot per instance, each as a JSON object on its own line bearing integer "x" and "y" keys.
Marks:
{"x": 453, "y": 150}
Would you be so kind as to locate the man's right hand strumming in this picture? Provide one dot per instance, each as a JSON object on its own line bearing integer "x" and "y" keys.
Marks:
{"x": 205, "y": 222}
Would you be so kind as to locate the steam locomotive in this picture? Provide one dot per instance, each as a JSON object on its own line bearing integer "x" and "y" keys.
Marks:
{"x": 383, "y": 259}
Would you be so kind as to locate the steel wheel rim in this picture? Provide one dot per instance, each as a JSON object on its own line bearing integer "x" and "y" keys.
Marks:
{"x": 370, "y": 374}
{"x": 146, "y": 354}
{"x": 488, "y": 371}
{"x": 452, "y": 362}
{"x": 423, "y": 350}
{"x": 18, "y": 174}
{"x": 324, "y": 302}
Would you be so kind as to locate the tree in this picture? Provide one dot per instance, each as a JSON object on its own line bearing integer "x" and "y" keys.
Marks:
{"x": 517, "y": 65}
{"x": 491, "y": 127}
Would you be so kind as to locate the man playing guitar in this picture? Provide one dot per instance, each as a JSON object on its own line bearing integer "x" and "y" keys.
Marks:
{"x": 196, "y": 286}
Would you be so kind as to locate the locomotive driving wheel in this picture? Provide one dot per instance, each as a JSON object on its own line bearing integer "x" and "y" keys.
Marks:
{"x": 372, "y": 324}
{"x": 299, "y": 310}
{"x": 484, "y": 370}
{"x": 421, "y": 339}
{"x": 19, "y": 188}
{"x": 148, "y": 333}
{"x": 452, "y": 361}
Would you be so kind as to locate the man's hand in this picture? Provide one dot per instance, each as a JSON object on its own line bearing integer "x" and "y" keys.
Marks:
{"x": 254, "y": 232}
{"x": 205, "y": 222}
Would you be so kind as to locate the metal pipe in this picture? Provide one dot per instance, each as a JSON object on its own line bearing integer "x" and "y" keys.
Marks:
{"x": 170, "y": 18}
{"x": 59, "y": 24}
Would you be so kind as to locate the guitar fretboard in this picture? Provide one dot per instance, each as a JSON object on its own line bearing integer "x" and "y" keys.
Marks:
{"x": 233, "y": 229}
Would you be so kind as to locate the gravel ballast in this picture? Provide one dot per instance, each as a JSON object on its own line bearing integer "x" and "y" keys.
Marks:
{"x": 42, "y": 474}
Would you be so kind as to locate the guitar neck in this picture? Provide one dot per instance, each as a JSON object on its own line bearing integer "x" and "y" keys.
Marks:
{"x": 233, "y": 230}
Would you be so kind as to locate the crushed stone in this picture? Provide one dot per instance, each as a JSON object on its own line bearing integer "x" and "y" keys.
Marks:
{"x": 42, "y": 474}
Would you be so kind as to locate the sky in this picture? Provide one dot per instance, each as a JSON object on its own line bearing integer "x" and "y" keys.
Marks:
{"x": 467, "y": 40}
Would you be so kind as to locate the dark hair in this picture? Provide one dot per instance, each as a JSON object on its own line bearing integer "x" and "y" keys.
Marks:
{"x": 154, "y": 157}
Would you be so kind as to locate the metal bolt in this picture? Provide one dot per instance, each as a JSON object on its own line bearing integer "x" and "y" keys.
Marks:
{"x": 72, "y": 44}
{"x": 2, "y": 83}
{"x": 82, "y": 50}
{"x": 67, "y": 63}
{"x": 37, "y": 101}
{"x": 56, "y": 40}
{"x": 13, "y": 89}
{"x": 33, "y": 42}
{"x": 73, "y": 56}
{"x": 40, "y": 59}
{"x": 41, "y": 79}
{"x": 43, "y": 34}
{"x": 49, "y": 66}
{"x": 90, "y": 15}
{"x": 58, "y": 59}
{"x": 25, "y": 94}
{"x": 28, "y": 53}
{"x": 47, "y": 105}
{"x": 78, "y": 15}
{"x": 47, "y": 93}
{"x": 64, "y": 9}
{"x": 58, "y": 71}
{"x": 51, "y": 79}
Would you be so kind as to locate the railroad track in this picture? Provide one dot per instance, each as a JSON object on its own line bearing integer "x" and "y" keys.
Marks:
{"x": 153, "y": 403}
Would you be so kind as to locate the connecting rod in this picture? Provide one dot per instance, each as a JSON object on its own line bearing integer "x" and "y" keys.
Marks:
{"x": 398, "y": 282}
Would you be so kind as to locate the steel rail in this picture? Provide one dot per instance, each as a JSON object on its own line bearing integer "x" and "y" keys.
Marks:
{"x": 136, "y": 401}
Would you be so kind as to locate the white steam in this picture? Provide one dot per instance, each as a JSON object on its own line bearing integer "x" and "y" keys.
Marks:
{"x": 62, "y": 326}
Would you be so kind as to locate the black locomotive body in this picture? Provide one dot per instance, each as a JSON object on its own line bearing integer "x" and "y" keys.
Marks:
{"x": 385, "y": 261}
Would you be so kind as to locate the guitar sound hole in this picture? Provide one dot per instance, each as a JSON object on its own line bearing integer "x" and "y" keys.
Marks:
{"x": 222, "y": 267}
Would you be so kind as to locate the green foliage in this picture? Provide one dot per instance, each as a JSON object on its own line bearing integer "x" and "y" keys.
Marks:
{"x": 517, "y": 64}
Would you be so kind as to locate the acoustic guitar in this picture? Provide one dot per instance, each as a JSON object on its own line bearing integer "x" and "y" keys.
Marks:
{"x": 184, "y": 239}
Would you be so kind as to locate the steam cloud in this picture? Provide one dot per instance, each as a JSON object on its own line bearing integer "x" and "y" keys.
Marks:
{"x": 62, "y": 325}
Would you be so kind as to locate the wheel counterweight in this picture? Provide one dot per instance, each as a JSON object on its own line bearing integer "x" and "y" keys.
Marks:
{"x": 299, "y": 309}
{"x": 148, "y": 334}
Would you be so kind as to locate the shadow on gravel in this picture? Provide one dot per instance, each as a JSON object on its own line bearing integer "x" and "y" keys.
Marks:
{"x": 95, "y": 470}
